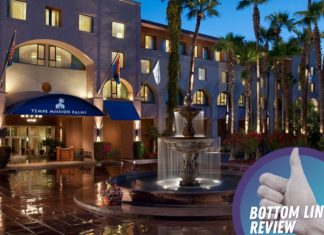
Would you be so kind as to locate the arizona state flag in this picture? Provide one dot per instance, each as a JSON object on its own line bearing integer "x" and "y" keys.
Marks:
{"x": 116, "y": 70}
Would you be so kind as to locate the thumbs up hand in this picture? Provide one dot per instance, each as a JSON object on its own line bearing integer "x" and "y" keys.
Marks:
{"x": 295, "y": 191}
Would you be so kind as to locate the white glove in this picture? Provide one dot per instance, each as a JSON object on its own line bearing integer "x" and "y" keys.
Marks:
{"x": 295, "y": 191}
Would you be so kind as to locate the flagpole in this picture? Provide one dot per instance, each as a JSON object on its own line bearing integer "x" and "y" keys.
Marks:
{"x": 7, "y": 58}
{"x": 147, "y": 76}
{"x": 106, "y": 75}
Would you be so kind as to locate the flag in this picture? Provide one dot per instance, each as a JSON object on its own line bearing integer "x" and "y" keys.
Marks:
{"x": 157, "y": 72}
{"x": 116, "y": 69}
{"x": 11, "y": 51}
{"x": 9, "y": 57}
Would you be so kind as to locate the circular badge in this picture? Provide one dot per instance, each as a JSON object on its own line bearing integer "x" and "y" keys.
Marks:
{"x": 282, "y": 193}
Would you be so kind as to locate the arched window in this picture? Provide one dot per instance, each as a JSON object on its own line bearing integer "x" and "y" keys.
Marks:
{"x": 241, "y": 101}
{"x": 147, "y": 95}
{"x": 47, "y": 55}
{"x": 200, "y": 98}
{"x": 222, "y": 99}
{"x": 112, "y": 90}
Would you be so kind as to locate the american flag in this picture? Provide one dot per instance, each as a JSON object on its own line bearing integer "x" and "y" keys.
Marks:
{"x": 11, "y": 50}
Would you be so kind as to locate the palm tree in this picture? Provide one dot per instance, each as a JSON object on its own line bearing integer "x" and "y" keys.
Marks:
{"x": 174, "y": 10}
{"x": 305, "y": 37}
{"x": 256, "y": 26}
{"x": 282, "y": 53}
{"x": 230, "y": 44}
{"x": 266, "y": 38}
{"x": 248, "y": 57}
{"x": 316, "y": 12}
{"x": 277, "y": 22}
{"x": 199, "y": 9}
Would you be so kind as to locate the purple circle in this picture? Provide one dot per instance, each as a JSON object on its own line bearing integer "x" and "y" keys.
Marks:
{"x": 236, "y": 208}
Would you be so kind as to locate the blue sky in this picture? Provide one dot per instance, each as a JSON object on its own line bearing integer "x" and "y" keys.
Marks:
{"x": 230, "y": 20}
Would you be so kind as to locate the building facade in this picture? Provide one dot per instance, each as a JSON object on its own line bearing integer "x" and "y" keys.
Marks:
{"x": 63, "y": 60}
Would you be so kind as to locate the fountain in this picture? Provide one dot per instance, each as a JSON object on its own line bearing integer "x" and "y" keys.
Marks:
{"x": 189, "y": 181}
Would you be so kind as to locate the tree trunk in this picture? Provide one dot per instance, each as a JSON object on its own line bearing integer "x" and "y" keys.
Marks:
{"x": 276, "y": 108}
{"x": 192, "y": 59}
{"x": 174, "y": 27}
{"x": 232, "y": 90}
{"x": 318, "y": 61}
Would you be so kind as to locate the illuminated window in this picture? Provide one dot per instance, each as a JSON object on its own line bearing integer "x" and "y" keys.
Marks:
{"x": 166, "y": 46}
{"x": 145, "y": 66}
{"x": 86, "y": 23}
{"x": 312, "y": 87}
{"x": 149, "y": 42}
{"x": 147, "y": 95}
{"x": 205, "y": 53}
{"x": 243, "y": 82}
{"x": 200, "y": 98}
{"x": 52, "y": 17}
{"x": 202, "y": 74}
{"x": 196, "y": 51}
{"x": 121, "y": 58}
{"x": 315, "y": 104}
{"x": 312, "y": 71}
{"x": 112, "y": 90}
{"x": 241, "y": 101}
{"x": 118, "y": 30}
{"x": 299, "y": 86}
{"x": 222, "y": 99}
{"x": 18, "y": 9}
{"x": 217, "y": 55}
{"x": 223, "y": 77}
{"x": 59, "y": 57}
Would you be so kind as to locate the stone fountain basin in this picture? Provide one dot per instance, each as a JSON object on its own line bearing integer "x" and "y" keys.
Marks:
{"x": 143, "y": 189}
{"x": 189, "y": 145}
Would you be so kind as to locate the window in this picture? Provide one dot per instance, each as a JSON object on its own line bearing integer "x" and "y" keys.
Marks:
{"x": 59, "y": 57}
{"x": 18, "y": 9}
{"x": 118, "y": 30}
{"x": 200, "y": 98}
{"x": 182, "y": 48}
{"x": 149, "y": 42}
{"x": 121, "y": 58}
{"x": 241, "y": 101}
{"x": 243, "y": 82}
{"x": 202, "y": 74}
{"x": 315, "y": 104}
{"x": 224, "y": 77}
{"x": 52, "y": 17}
{"x": 312, "y": 71}
{"x": 28, "y": 54}
{"x": 145, "y": 66}
{"x": 113, "y": 90}
{"x": 147, "y": 94}
{"x": 166, "y": 46}
{"x": 312, "y": 87}
{"x": 217, "y": 55}
{"x": 205, "y": 53}
{"x": 222, "y": 99}
{"x": 196, "y": 51}
{"x": 299, "y": 86}
{"x": 86, "y": 23}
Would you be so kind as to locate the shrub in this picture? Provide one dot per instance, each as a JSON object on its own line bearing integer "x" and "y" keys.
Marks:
{"x": 4, "y": 156}
{"x": 138, "y": 149}
{"x": 102, "y": 150}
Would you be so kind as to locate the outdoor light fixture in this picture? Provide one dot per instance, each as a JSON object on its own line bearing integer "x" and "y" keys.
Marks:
{"x": 31, "y": 118}
{"x": 98, "y": 132}
{"x": 137, "y": 126}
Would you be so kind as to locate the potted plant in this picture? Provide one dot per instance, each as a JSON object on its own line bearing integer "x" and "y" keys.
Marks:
{"x": 5, "y": 151}
{"x": 138, "y": 149}
{"x": 51, "y": 145}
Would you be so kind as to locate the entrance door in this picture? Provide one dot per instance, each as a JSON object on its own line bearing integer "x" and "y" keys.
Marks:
{"x": 15, "y": 146}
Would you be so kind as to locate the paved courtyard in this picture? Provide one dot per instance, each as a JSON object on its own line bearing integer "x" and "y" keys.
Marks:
{"x": 41, "y": 202}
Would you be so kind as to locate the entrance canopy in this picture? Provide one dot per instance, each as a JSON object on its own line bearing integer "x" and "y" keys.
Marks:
{"x": 121, "y": 110}
{"x": 54, "y": 105}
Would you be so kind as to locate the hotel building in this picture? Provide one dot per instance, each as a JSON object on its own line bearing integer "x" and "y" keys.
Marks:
{"x": 60, "y": 85}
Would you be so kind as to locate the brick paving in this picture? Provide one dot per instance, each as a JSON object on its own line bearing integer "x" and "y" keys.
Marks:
{"x": 41, "y": 202}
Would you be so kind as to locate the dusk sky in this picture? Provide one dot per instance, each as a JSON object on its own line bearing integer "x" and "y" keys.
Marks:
{"x": 230, "y": 20}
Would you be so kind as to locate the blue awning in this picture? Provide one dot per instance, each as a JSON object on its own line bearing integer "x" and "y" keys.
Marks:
{"x": 121, "y": 110}
{"x": 54, "y": 105}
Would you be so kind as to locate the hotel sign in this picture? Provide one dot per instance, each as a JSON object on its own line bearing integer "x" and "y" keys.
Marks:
{"x": 55, "y": 105}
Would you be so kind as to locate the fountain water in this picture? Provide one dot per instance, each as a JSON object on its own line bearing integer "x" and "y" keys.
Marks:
{"x": 189, "y": 154}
